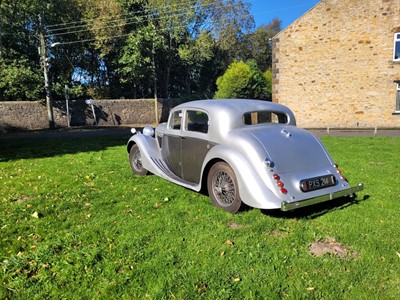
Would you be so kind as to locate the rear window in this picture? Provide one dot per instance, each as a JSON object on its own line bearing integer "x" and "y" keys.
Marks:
{"x": 264, "y": 117}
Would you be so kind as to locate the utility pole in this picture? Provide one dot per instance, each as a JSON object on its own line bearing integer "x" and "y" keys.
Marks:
{"x": 44, "y": 61}
{"x": 1, "y": 38}
{"x": 1, "y": 41}
{"x": 67, "y": 104}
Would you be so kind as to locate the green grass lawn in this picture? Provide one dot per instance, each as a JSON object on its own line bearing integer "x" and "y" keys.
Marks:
{"x": 75, "y": 223}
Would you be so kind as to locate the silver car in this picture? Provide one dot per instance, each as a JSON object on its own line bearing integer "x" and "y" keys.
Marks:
{"x": 243, "y": 152}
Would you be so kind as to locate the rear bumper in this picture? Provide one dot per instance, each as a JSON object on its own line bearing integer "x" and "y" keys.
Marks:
{"x": 286, "y": 206}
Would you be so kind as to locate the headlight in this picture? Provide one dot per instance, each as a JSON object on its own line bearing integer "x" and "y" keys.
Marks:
{"x": 148, "y": 130}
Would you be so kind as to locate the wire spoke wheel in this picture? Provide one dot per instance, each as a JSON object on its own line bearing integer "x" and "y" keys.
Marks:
{"x": 135, "y": 159}
{"x": 223, "y": 188}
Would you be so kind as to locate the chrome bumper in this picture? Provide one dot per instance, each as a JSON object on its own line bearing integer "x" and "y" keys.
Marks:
{"x": 285, "y": 206}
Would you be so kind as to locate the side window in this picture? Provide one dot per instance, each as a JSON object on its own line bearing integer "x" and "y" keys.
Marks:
{"x": 396, "y": 47}
{"x": 196, "y": 121}
{"x": 175, "y": 120}
{"x": 398, "y": 98}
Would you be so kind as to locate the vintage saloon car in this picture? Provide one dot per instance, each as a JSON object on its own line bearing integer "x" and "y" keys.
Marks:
{"x": 243, "y": 152}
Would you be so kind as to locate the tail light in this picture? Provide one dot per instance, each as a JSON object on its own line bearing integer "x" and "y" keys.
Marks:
{"x": 280, "y": 184}
{"x": 342, "y": 177}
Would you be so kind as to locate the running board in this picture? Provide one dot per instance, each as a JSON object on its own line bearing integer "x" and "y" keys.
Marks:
{"x": 166, "y": 173}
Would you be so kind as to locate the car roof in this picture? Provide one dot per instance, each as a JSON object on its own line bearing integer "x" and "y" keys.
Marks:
{"x": 233, "y": 109}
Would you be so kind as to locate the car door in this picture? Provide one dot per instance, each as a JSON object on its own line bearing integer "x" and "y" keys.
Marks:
{"x": 172, "y": 143}
{"x": 194, "y": 143}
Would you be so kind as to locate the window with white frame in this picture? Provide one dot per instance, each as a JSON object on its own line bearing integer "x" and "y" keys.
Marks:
{"x": 396, "y": 47}
{"x": 175, "y": 120}
{"x": 398, "y": 99}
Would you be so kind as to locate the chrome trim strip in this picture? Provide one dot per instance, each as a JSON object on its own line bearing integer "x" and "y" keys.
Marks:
{"x": 286, "y": 206}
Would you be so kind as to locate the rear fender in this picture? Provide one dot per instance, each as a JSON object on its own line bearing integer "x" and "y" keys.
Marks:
{"x": 253, "y": 191}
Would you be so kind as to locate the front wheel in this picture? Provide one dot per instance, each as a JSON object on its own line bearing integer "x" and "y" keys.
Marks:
{"x": 223, "y": 188}
{"x": 136, "y": 161}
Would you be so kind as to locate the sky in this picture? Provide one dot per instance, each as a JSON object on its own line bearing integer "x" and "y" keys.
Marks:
{"x": 264, "y": 11}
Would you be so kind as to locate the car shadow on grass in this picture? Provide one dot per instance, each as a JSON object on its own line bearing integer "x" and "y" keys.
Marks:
{"x": 317, "y": 210}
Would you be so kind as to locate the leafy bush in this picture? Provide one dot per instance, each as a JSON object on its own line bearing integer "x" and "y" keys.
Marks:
{"x": 243, "y": 80}
{"x": 19, "y": 80}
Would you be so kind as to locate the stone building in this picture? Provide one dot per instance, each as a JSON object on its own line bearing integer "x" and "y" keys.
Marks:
{"x": 338, "y": 65}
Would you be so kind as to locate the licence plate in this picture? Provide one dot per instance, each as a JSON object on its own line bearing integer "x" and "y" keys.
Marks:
{"x": 316, "y": 183}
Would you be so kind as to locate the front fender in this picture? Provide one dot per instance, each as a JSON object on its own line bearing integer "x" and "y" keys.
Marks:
{"x": 253, "y": 191}
{"x": 148, "y": 147}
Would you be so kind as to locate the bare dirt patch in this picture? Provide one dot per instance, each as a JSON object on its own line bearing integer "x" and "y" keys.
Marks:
{"x": 278, "y": 233}
{"x": 331, "y": 246}
{"x": 234, "y": 225}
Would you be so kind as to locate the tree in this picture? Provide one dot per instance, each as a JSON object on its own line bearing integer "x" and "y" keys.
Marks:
{"x": 243, "y": 80}
{"x": 191, "y": 44}
{"x": 18, "y": 80}
{"x": 268, "y": 77}
{"x": 260, "y": 44}
{"x": 137, "y": 59}
{"x": 230, "y": 22}
{"x": 124, "y": 48}
{"x": 196, "y": 56}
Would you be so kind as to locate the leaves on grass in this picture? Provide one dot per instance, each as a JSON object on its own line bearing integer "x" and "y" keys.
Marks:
{"x": 201, "y": 287}
{"x": 229, "y": 243}
{"x": 222, "y": 256}
{"x": 237, "y": 278}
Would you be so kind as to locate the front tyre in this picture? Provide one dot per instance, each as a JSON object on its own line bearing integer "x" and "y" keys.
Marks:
{"x": 136, "y": 161}
{"x": 223, "y": 188}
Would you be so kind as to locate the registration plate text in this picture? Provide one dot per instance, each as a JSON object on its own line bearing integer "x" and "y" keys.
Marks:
{"x": 317, "y": 183}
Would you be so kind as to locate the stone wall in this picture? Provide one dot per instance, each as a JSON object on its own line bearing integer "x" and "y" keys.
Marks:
{"x": 334, "y": 65}
{"x": 27, "y": 115}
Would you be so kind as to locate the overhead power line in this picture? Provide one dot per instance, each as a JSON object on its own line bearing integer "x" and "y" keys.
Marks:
{"x": 143, "y": 14}
{"x": 162, "y": 12}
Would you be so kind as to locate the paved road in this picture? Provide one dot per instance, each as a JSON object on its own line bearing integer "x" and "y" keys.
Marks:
{"x": 69, "y": 132}
{"x": 125, "y": 131}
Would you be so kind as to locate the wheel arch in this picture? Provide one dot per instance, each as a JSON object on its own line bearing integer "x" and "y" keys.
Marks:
{"x": 130, "y": 145}
{"x": 253, "y": 191}
{"x": 206, "y": 171}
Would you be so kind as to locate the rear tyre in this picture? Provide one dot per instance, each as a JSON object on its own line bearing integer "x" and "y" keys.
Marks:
{"x": 135, "y": 159}
{"x": 223, "y": 188}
